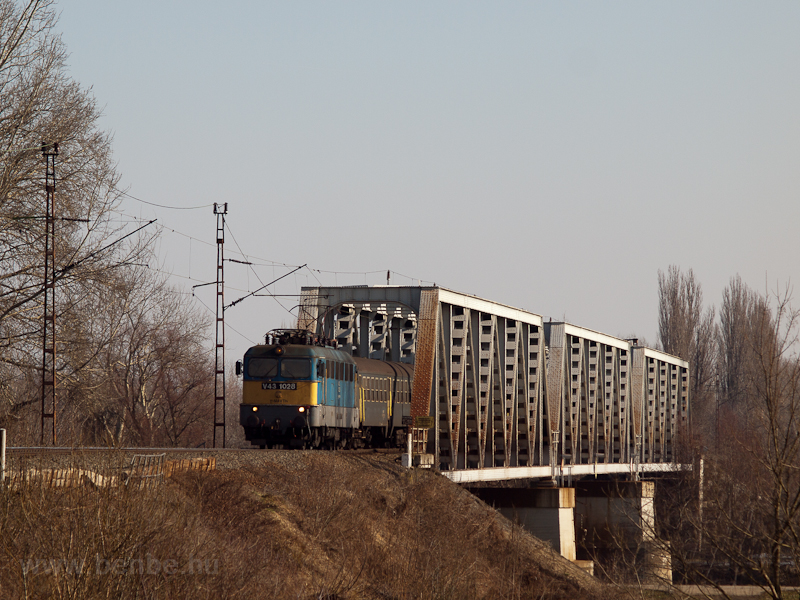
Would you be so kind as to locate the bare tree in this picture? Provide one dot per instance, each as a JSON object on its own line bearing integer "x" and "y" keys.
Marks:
{"x": 145, "y": 371}
{"x": 131, "y": 364}
{"x": 739, "y": 305}
{"x": 746, "y": 528}
{"x": 687, "y": 331}
{"x": 234, "y": 434}
{"x": 40, "y": 104}
{"x": 775, "y": 385}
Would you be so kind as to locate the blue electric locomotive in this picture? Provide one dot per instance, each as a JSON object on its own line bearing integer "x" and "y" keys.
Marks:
{"x": 300, "y": 391}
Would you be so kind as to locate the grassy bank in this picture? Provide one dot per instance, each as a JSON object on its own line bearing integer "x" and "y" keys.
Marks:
{"x": 324, "y": 525}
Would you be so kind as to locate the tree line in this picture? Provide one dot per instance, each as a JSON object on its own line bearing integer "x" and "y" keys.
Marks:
{"x": 736, "y": 518}
{"x": 134, "y": 361}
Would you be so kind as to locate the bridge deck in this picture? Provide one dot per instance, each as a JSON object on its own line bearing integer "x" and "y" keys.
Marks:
{"x": 560, "y": 473}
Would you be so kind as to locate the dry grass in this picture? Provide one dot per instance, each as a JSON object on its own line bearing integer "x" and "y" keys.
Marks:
{"x": 334, "y": 527}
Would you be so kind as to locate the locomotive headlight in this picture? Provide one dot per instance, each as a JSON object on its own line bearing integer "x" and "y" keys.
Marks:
{"x": 255, "y": 409}
{"x": 302, "y": 409}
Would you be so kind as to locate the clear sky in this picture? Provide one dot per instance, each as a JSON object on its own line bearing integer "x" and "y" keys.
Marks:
{"x": 550, "y": 156}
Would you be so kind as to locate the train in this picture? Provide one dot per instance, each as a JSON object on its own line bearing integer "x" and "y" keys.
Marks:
{"x": 299, "y": 390}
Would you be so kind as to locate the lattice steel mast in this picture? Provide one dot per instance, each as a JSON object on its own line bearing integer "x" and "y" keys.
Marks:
{"x": 49, "y": 396}
{"x": 219, "y": 349}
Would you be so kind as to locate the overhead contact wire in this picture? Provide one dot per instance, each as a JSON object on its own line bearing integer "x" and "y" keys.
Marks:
{"x": 256, "y": 274}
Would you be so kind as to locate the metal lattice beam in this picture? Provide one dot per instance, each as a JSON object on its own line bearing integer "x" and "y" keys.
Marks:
{"x": 49, "y": 375}
{"x": 506, "y": 390}
{"x": 220, "y": 210}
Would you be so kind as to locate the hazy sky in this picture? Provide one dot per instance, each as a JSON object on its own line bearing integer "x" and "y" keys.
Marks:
{"x": 550, "y": 156}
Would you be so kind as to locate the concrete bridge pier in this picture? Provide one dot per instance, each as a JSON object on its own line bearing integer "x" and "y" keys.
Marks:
{"x": 607, "y": 527}
{"x": 615, "y": 525}
{"x": 547, "y": 513}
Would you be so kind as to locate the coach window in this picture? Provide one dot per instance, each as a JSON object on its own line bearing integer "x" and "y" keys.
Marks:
{"x": 320, "y": 368}
{"x": 296, "y": 368}
{"x": 262, "y": 367}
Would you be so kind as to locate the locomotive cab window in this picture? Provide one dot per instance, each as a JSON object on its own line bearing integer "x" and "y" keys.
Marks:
{"x": 262, "y": 367}
{"x": 296, "y": 368}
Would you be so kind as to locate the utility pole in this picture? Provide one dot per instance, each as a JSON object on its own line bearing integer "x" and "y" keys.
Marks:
{"x": 219, "y": 353}
{"x": 49, "y": 151}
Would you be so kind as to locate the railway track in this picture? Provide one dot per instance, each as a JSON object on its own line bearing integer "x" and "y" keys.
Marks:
{"x": 65, "y": 462}
{"x": 50, "y": 451}
{"x": 21, "y": 451}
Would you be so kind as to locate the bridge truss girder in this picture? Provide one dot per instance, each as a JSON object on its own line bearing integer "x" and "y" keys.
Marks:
{"x": 505, "y": 389}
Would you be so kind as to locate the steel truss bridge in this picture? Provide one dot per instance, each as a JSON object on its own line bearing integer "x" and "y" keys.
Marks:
{"x": 509, "y": 395}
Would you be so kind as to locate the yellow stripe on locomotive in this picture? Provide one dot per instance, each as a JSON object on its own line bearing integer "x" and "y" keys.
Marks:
{"x": 280, "y": 392}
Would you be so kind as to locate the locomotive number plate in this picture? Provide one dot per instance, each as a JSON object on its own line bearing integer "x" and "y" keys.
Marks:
{"x": 268, "y": 385}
